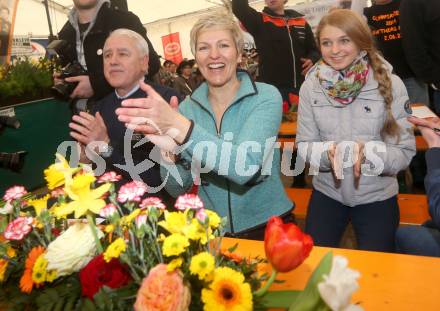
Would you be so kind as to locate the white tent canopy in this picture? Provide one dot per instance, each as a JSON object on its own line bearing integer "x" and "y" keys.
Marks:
{"x": 151, "y": 10}
{"x": 31, "y": 15}
{"x": 161, "y": 17}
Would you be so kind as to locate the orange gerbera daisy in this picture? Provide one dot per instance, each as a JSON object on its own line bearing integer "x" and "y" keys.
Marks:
{"x": 232, "y": 256}
{"x": 26, "y": 283}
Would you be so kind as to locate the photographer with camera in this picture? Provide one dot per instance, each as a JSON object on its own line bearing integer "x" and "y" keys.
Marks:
{"x": 90, "y": 22}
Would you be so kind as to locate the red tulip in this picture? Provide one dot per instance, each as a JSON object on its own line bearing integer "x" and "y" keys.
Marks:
{"x": 286, "y": 245}
{"x": 285, "y": 106}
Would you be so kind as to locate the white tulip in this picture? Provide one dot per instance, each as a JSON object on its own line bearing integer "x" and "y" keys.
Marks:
{"x": 339, "y": 285}
{"x": 72, "y": 250}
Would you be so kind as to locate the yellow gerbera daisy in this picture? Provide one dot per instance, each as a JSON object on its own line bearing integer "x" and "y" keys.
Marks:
{"x": 227, "y": 292}
{"x": 84, "y": 198}
{"x": 214, "y": 219}
{"x": 59, "y": 173}
{"x": 51, "y": 276}
{"x": 39, "y": 204}
{"x": 174, "y": 245}
{"x": 203, "y": 265}
{"x": 174, "y": 264}
{"x": 39, "y": 270}
{"x": 115, "y": 249}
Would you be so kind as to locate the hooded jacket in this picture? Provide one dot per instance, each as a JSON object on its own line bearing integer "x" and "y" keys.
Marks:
{"x": 281, "y": 40}
{"x": 322, "y": 119}
{"x": 88, "y": 51}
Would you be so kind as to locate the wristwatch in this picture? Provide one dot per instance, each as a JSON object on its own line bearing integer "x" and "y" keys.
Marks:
{"x": 108, "y": 150}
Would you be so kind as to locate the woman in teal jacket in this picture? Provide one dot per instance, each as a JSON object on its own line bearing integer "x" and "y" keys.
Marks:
{"x": 227, "y": 130}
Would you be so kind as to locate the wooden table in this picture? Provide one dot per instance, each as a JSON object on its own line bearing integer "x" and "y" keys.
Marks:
{"x": 287, "y": 129}
{"x": 387, "y": 282}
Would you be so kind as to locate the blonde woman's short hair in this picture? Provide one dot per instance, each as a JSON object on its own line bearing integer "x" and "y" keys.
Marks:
{"x": 224, "y": 21}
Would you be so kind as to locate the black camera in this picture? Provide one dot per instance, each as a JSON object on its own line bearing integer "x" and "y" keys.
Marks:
{"x": 12, "y": 161}
{"x": 64, "y": 89}
{"x": 72, "y": 68}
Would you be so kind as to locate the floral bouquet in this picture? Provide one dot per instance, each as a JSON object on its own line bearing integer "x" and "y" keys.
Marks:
{"x": 89, "y": 246}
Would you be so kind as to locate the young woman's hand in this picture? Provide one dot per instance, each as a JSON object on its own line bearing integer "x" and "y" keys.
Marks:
{"x": 335, "y": 161}
{"x": 359, "y": 155}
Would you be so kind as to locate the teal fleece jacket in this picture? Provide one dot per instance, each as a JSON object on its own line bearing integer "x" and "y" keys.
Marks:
{"x": 238, "y": 165}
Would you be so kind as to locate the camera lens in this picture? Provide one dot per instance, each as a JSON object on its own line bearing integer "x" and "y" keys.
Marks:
{"x": 12, "y": 161}
{"x": 63, "y": 90}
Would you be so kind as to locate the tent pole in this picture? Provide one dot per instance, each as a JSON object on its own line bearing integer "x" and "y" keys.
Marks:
{"x": 46, "y": 6}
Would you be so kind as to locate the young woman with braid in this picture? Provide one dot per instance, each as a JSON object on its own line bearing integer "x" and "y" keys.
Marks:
{"x": 350, "y": 101}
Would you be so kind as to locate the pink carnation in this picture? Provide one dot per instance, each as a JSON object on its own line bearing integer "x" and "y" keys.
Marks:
{"x": 188, "y": 201}
{"x": 18, "y": 228}
{"x": 57, "y": 192}
{"x": 140, "y": 220}
{"x": 108, "y": 210}
{"x": 132, "y": 191}
{"x": 109, "y": 177}
{"x": 163, "y": 290}
{"x": 152, "y": 202}
{"x": 201, "y": 215}
{"x": 14, "y": 193}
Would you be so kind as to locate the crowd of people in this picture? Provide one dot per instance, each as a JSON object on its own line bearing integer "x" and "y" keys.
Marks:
{"x": 212, "y": 121}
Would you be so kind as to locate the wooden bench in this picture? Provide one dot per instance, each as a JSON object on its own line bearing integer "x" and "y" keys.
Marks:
{"x": 287, "y": 133}
{"x": 413, "y": 207}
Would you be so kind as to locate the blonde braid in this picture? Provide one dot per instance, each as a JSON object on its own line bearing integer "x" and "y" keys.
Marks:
{"x": 382, "y": 76}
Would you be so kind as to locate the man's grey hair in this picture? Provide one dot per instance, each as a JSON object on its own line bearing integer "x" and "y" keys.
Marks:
{"x": 141, "y": 43}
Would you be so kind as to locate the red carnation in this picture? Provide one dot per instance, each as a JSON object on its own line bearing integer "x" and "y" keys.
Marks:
{"x": 98, "y": 273}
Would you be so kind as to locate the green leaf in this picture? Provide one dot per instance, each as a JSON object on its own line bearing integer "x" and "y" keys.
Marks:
{"x": 103, "y": 299}
{"x": 87, "y": 305}
{"x": 310, "y": 299}
{"x": 278, "y": 299}
{"x": 233, "y": 248}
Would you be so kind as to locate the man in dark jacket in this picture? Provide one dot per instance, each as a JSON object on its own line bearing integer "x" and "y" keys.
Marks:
{"x": 425, "y": 240}
{"x": 420, "y": 24}
{"x": 90, "y": 22}
{"x": 285, "y": 44}
{"x": 125, "y": 56}
{"x": 383, "y": 19}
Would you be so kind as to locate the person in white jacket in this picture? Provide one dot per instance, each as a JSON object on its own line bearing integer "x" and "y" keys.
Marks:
{"x": 353, "y": 131}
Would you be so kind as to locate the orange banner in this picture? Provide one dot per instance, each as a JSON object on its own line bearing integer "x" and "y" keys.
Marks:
{"x": 171, "y": 47}
{"x": 8, "y": 9}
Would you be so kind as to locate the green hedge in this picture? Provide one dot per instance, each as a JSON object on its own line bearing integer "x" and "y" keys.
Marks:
{"x": 25, "y": 80}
